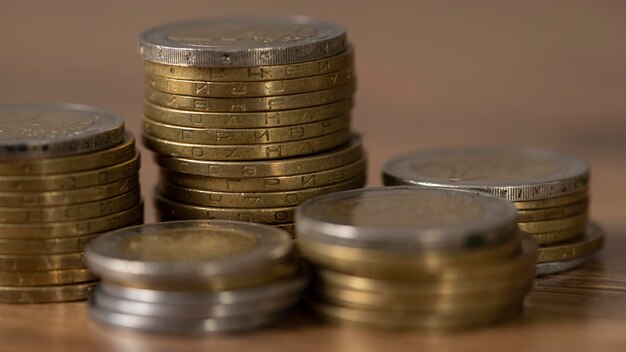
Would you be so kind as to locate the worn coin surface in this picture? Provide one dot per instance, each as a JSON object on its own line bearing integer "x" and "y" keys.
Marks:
{"x": 44, "y": 294}
{"x": 44, "y": 246}
{"x": 45, "y": 278}
{"x": 590, "y": 243}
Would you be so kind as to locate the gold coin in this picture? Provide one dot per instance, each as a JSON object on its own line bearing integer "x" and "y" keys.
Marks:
{"x": 259, "y": 73}
{"x": 44, "y": 246}
{"x": 554, "y": 225}
{"x": 546, "y": 238}
{"x": 72, "y": 228}
{"x": 591, "y": 243}
{"x": 95, "y": 160}
{"x": 246, "y": 152}
{"x": 253, "y": 200}
{"x": 46, "y": 294}
{"x": 553, "y": 202}
{"x": 71, "y": 212}
{"x": 67, "y": 197}
{"x": 244, "y": 136}
{"x": 175, "y": 210}
{"x": 254, "y": 169}
{"x": 75, "y": 180}
{"x": 268, "y": 184}
{"x": 10, "y": 262}
{"x": 247, "y": 119}
{"x": 281, "y": 102}
{"x": 543, "y": 214}
{"x": 201, "y": 88}
{"x": 45, "y": 278}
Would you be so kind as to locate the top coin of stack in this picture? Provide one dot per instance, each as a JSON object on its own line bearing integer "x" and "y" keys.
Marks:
{"x": 249, "y": 116}
{"x": 67, "y": 173}
{"x": 550, "y": 191}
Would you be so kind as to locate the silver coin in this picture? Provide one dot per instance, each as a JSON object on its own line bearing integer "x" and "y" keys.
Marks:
{"x": 183, "y": 325}
{"x": 407, "y": 217}
{"x": 52, "y": 130}
{"x": 242, "y": 42}
{"x": 512, "y": 173}
{"x": 187, "y": 251}
{"x": 543, "y": 269}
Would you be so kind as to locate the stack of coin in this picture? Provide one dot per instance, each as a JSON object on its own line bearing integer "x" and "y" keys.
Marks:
{"x": 195, "y": 276}
{"x": 249, "y": 116}
{"x": 550, "y": 191}
{"x": 397, "y": 257}
{"x": 67, "y": 173}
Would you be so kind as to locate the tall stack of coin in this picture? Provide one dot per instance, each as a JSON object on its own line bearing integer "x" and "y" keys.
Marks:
{"x": 396, "y": 257}
{"x": 67, "y": 173}
{"x": 195, "y": 276}
{"x": 550, "y": 191}
{"x": 249, "y": 116}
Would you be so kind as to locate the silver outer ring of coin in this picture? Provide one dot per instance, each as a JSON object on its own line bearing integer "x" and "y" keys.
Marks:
{"x": 550, "y": 268}
{"x": 107, "y": 131}
{"x": 104, "y": 259}
{"x": 183, "y": 325}
{"x": 574, "y": 177}
{"x": 155, "y": 46}
{"x": 498, "y": 226}
{"x": 279, "y": 288}
{"x": 198, "y": 311}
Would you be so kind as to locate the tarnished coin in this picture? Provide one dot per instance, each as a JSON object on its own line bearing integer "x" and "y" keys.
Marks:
{"x": 550, "y": 268}
{"x": 514, "y": 174}
{"x": 9, "y": 262}
{"x": 50, "y": 130}
{"x": 253, "y": 169}
{"x": 554, "y": 213}
{"x": 242, "y": 42}
{"x": 546, "y": 238}
{"x": 407, "y": 217}
{"x": 45, "y": 278}
{"x": 562, "y": 224}
{"x": 185, "y": 252}
{"x": 44, "y": 246}
{"x": 45, "y": 294}
{"x": 554, "y": 202}
{"x": 590, "y": 243}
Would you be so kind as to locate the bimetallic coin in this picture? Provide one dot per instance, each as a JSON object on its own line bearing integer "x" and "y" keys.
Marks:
{"x": 247, "y": 152}
{"x": 201, "y": 88}
{"x": 44, "y": 246}
{"x": 245, "y": 120}
{"x": 244, "y": 136}
{"x": 42, "y": 262}
{"x": 550, "y": 268}
{"x": 185, "y": 252}
{"x": 554, "y": 213}
{"x": 46, "y": 294}
{"x": 575, "y": 221}
{"x": 591, "y": 243}
{"x": 514, "y": 174}
{"x": 45, "y": 278}
{"x": 255, "y": 73}
{"x": 418, "y": 218}
{"x": 242, "y": 42}
{"x": 68, "y": 164}
{"x": 230, "y": 105}
{"x": 253, "y": 169}
{"x": 553, "y": 202}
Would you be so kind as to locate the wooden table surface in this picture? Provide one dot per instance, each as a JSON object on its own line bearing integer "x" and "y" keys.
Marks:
{"x": 431, "y": 73}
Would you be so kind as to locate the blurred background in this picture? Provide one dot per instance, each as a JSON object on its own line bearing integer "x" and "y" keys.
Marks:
{"x": 430, "y": 73}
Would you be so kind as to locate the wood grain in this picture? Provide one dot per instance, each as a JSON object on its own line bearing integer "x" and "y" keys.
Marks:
{"x": 430, "y": 73}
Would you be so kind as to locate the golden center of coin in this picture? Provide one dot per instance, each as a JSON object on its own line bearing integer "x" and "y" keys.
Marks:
{"x": 487, "y": 167}
{"x": 20, "y": 123}
{"x": 238, "y": 35}
{"x": 186, "y": 245}
{"x": 404, "y": 211}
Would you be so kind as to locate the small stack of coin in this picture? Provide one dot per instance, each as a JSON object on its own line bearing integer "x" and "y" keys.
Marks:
{"x": 249, "y": 116}
{"x": 195, "y": 276}
{"x": 550, "y": 191}
{"x": 398, "y": 257}
{"x": 67, "y": 173}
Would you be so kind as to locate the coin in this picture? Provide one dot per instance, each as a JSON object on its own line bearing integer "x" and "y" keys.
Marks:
{"x": 546, "y": 238}
{"x": 514, "y": 174}
{"x": 575, "y": 221}
{"x": 267, "y": 184}
{"x": 45, "y": 278}
{"x": 253, "y": 200}
{"x": 68, "y": 164}
{"x": 543, "y": 214}
{"x": 9, "y": 262}
{"x": 253, "y": 169}
{"x": 201, "y": 88}
{"x": 49, "y": 130}
{"x": 255, "y": 73}
{"x": 553, "y": 202}
{"x": 246, "y": 152}
{"x": 45, "y": 294}
{"x": 244, "y": 136}
{"x": 574, "y": 249}
{"x": 82, "y": 179}
{"x": 550, "y": 268}
{"x": 244, "y": 120}
{"x": 409, "y": 217}
{"x": 279, "y": 102}
{"x": 71, "y": 196}
{"x": 44, "y": 246}
{"x": 242, "y": 42}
